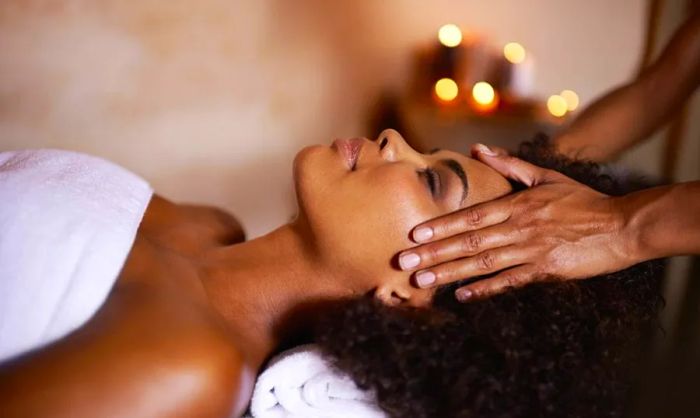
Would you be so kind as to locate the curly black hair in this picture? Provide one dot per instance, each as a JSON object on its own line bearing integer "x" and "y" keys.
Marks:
{"x": 549, "y": 349}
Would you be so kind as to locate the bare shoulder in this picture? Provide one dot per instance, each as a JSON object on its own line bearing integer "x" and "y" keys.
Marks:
{"x": 146, "y": 353}
{"x": 226, "y": 377}
{"x": 230, "y": 378}
{"x": 185, "y": 343}
{"x": 219, "y": 219}
{"x": 190, "y": 223}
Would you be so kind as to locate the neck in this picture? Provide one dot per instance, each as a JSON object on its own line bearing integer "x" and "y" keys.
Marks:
{"x": 269, "y": 289}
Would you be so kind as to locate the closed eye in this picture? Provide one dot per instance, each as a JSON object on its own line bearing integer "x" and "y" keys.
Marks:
{"x": 432, "y": 180}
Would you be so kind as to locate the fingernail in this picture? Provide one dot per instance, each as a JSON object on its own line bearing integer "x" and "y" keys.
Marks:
{"x": 485, "y": 150}
{"x": 422, "y": 234}
{"x": 463, "y": 295}
{"x": 408, "y": 261}
{"x": 425, "y": 278}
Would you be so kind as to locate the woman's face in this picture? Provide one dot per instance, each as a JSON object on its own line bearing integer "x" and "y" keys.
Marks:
{"x": 359, "y": 200}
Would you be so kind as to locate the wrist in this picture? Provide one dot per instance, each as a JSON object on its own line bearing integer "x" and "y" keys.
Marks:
{"x": 627, "y": 243}
{"x": 637, "y": 222}
{"x": 640, "y": 218}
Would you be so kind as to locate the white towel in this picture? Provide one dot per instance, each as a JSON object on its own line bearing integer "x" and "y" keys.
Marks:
{"x": 300, "y": 383}
{"x": 67, "y": 224}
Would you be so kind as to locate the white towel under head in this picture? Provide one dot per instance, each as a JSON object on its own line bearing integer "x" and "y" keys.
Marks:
{"x": 67, "y": 224}
{"x": 300, "y": 383}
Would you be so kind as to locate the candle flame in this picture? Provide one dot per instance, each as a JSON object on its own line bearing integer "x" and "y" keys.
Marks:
{"x": 571, "y": 99}
{"x": 557, "y": 105}
{"x": 450, "y": 35}
{"x": 446, "y": 89}
{"x": 514, "y": 52}
{"x": 483, "y": 93}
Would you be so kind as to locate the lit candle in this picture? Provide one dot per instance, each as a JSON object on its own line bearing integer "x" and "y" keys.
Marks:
{"x": 523, "y": 69}
{"x": 448, "y": 55}
{"x": 484, "y": 97}
{"x": 557, "y": 105}
{"x": 514, "y": 52}
{"x": 450, "y": 35}
{"x": 446, "y": 89}
{"x": 571, "y": 99}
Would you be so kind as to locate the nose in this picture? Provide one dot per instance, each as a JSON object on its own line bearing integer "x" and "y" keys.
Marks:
{"x": 393, "y": 147}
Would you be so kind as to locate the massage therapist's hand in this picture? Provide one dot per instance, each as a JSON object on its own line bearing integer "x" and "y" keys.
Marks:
{"x": 556, "y": 228}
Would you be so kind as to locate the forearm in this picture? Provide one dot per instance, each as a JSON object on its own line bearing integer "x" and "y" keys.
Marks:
{"x": 663, "y": 221}
{"x": 609, "y": 126}
{"x": 632, "y": 112}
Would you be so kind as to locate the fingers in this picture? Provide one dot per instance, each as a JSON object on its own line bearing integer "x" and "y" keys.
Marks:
{"x": 486, "y": 262}
{"x": 512, "y": 167}
{"x": 458, "y": 246}
{"x": 511, "y": 278}
{"x": 497, "y": 151}
{"x": 468, "y": 219}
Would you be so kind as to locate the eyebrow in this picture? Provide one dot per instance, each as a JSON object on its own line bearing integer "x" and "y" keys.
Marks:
{"x": 456, "y": 168}
{"x": 434, "y": 150}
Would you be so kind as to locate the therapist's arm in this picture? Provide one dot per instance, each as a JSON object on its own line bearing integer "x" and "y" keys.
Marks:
{"x": 629, "y": 114}
{"x": 663, "y": 221}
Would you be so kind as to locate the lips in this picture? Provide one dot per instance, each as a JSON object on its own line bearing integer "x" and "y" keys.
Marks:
{"x": 349, "y": 149}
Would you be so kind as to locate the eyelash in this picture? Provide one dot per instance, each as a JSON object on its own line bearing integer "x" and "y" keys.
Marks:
{"x": 432, "y": 179}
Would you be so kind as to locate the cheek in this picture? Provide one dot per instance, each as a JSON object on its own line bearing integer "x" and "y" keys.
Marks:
{"x": 364, "y": 219}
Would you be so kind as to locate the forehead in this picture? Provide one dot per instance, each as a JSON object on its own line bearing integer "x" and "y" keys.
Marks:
{"x": 484, "y": 182}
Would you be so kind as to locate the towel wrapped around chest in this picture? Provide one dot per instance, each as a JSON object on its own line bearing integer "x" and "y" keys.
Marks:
{"x": 67, "y": 224}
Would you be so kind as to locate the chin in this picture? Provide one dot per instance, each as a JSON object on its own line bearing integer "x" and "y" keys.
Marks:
{"x": 304, "y": 161}
{"x": 308, "y": 164}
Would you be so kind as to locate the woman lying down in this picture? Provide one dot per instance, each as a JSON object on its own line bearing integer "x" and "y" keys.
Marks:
{"x": 116, "y": 302}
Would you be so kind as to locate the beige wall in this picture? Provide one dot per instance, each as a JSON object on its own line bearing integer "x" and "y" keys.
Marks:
{"x": 210, "y": 99}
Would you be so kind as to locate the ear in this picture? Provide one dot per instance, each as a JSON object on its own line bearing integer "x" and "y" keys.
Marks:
{"x": 396, "y": 295}
{"x": 389, "y": 296}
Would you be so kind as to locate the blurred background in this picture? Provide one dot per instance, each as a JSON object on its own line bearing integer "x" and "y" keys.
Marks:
{"x": 209, "y": 100}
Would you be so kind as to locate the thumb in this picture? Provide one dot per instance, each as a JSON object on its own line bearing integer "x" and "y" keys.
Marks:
{"x": 512, "y": 167}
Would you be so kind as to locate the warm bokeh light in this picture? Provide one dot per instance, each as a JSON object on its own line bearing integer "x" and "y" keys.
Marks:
{"x": 514, "y": 52}
{"x": 483, "y": 93}
{"x": 446, "y": 89}
{"x": 571, "y": 99}
{"x": 556, "y": 105}
{"x": 450, "y": 35}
